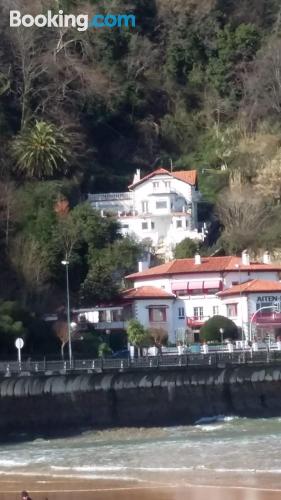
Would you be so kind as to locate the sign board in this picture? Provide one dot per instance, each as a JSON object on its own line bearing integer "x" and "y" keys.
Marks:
{"x": 19, "y": 343}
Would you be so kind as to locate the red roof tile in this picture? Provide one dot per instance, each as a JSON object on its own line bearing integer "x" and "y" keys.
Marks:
{"x": 208, "y": 265}
{"x": 253, "y": 286}
{"x": 146, "y": 292}
{"x": 188, "y": 176}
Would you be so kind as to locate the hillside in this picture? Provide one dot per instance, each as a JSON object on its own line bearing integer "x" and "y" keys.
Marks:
{"x": 198, "y": 83}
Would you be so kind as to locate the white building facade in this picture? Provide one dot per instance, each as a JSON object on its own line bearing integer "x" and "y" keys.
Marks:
{"x": 204, "y": 287}
{"x": 160, "y": 207}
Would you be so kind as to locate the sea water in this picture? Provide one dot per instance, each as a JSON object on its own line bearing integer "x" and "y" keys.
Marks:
{"x": 218, "y": 446}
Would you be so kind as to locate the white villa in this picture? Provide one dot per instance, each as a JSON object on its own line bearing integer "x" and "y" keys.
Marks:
{"x": 181, "y": 295}
{"x": 160, "y": 207}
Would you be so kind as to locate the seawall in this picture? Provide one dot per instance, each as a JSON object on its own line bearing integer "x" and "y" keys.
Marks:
{"x": 167, "y": 397}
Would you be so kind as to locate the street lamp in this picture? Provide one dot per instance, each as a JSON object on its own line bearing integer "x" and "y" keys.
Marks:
{"x": 66, "y": 264}
{"x": 241, "y": 308}
{"x": 221, "y": 332}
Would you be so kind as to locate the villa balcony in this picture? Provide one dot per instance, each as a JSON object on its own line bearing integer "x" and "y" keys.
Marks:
{"x": 110, "y": 325}
{"x": 267, "y": 319}
{"x": 92, "y": 198}
{"x": 196, "y": 321}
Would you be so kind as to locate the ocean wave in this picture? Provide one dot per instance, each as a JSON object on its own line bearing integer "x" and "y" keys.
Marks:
{"x": 12, "y": 463}
{"x": 90, "y": 468}
{"x": 210, "y": 428}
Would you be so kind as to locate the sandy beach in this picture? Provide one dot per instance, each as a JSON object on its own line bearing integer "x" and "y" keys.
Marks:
{"x": 44, "y": 488}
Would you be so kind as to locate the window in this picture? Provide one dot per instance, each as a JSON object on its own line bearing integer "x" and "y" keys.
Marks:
{"x": 267, "y": 311}
{"x": 116, "y": 315}
{"x": 161, "y": 204}
{"x": 167, "y": 184}
{"x": 155, "y": 185}
{"x": 152, "y": 225}
{"x": 179, "y": 223}
{"x": 144, "y": 207}
{"x": 198, "y": 313}
{"x": 215, "y": 310}
{"x": 102, "y": 316}
{"x": 181, "y": 314}
{"x": 235, "y": 283}
{"x": 231, "y": 310}
{"x": 144, "y": 225}
{"x": 157, "y": 314}
{"x": 125, "y": 226}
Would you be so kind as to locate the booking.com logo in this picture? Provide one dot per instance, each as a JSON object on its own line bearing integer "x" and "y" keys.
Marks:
{"x": 80, "y": 22}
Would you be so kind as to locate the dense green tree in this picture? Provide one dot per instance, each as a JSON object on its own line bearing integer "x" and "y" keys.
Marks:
{"x": 234, "y": 46}
{"x": 14, "y": 322}
{"x": 186, "y": 248}
{"x": 99, "y": 286}
{"x": 210, "y": 331}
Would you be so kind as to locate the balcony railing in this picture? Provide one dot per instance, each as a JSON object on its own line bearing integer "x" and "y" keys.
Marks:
{"x": 267, "y": 318}
{"x": 196, "y": 320}
{"x": 110, "y": 196}
{"x": 110, "y": 325}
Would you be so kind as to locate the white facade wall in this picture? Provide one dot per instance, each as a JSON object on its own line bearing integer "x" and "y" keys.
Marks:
{"x": 141, "y": 310}
{"x": 211, "y": 304}
{"x": 176, "y": 193}
{"x": 161, "y": 208}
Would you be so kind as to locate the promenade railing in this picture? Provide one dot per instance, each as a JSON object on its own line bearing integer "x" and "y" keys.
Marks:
{"x": 145, "y": 363}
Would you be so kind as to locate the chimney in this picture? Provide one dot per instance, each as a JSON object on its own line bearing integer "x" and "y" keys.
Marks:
{"x": 197, "y": 259}
{"x": 137, "y": 176}
{"x": 143, "y": 265}
{"x": 245, "y": 258}
{"x": 266, "y": 258}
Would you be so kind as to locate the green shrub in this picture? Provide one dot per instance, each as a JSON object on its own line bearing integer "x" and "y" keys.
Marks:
{"x": 210, "y": 331}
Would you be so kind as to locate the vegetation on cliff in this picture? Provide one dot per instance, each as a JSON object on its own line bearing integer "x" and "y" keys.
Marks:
{"x": 195, "y": 82}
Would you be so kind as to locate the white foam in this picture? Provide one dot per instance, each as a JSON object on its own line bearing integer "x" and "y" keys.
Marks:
{"x": 12, "y": 463}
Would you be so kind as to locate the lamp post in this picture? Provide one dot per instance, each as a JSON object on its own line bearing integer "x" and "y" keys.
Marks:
{"x": 66, "y": 264}
{"x": 241, "y": 308}
{"x": 221, "y": 332}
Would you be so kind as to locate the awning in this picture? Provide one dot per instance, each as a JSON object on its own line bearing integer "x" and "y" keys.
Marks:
{"x": 195, "y": 285}
{"x": 180, "y": 285}
{"x": 212, "y": 284}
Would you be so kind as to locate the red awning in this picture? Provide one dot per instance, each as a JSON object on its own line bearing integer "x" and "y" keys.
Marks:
{"x": 212, "y": 284}
{"x": 179, "y": 285}
{"x": 195, "y": 285}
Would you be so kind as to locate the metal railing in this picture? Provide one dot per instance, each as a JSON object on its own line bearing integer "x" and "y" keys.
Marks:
{"x": 110, "y": 196}
{"x": 212, "y": 359}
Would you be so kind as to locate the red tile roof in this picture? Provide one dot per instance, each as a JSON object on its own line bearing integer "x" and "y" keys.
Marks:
{"x": 146, "y": 292}
{"x": 253, "y": 286}
{"x": 208, "y": 265}
{"x": 188, "y": 176}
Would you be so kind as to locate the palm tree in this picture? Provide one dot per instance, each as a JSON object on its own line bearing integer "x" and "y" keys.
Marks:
{"x": 41, "y": 151}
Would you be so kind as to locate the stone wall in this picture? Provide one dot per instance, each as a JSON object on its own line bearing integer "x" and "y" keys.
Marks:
{"x": 167, "y": 397}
